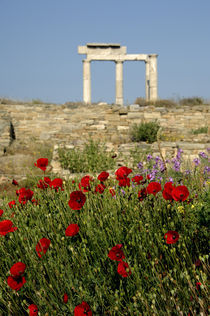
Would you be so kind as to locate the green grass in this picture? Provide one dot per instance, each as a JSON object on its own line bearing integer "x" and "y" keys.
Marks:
{"x": 163, "y": 276}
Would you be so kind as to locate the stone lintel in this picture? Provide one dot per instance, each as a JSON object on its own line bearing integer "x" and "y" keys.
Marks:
{"x": 103, "y": 45}
{"x": 127, "y": 57}
{"x": 99, "y": 49}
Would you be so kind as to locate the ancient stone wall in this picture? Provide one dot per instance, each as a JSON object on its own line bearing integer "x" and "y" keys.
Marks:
{"x": 109, "y": 123}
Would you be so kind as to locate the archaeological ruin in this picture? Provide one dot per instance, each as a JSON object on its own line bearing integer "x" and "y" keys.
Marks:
{"x": 118, "y": 54}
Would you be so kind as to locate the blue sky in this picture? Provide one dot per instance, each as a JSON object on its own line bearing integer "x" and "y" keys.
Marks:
{"x": 39, "y": 40}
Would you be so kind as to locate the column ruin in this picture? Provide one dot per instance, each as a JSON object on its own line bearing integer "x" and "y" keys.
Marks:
{"x": 118, "y": 54}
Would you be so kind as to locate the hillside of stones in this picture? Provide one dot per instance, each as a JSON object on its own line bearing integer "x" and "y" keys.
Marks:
{"x": 29, "y": 131}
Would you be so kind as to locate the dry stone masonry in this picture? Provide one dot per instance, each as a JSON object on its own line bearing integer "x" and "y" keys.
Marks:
{"x": 114, "y": 52}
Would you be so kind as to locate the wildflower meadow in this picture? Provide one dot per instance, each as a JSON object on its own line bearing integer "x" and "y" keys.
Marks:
{"x": 134, "y": 242}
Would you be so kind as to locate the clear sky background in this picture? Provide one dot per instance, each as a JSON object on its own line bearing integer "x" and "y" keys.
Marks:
{"x": 39, "y": 40}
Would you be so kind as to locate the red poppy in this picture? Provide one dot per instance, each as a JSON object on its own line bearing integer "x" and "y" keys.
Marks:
{"x": 41, "y": 163}
{"x": 137, "y": 179}
{"x": 198, "y": 286}
{"x": 124, "y": 182}
{"x": 35, "y": 202}
{"x": 72, "y": 230}
{"x": 148, "y": 176}
{"x": 82, "y": 309}
{"x": 168, "y": 187}
{"x": 18, "y": 268}
{"x": 116, "y": 253}
{"x": 171, "y": 237}
{"x": 1, "y": 212}
{"x": 42, "y": 246}
{"x": 112, "y": 191}
{"x": 100, "y": 188}
{"x": 84, "y": 184}
{"x": 103, "y": 176}
{"x": 180, "y": 193}
{"x": 25, "y": 196}
{"x": 16, "y": 282}
{"x": 77, "y": 200}
{"x": 123, "y": 269}
{"x": 20, "y": 191}
{"x": 12, "y": 204}
{"x": 42, "y": 184}
{"x": 65, "y": 298}
{"x": 142, "y": 194}
{"x": 122, "y": 172}
{"x": 153, "y": 188}
{"x": 33, "y": 310}
{"x": 6, "y": 227}
{"x": 14, "y": 182}
{"x": 56, "y": 184}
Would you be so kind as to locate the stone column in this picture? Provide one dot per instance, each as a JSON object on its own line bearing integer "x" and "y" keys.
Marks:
{"x": 119, "y": 82}
{"x": 86, "y": 82}
{"x": 147, "y": 92}
{"x": 153, "y": 95}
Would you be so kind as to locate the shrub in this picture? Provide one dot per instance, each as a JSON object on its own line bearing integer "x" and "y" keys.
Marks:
{"x": 200, "y": 130}
{"x": 145, "y": 132}
{"x": 191, "y": 101}
{"x": 168, "y": 103}
{"x": 91, "y": 159}
{"x": 141, "y": 101}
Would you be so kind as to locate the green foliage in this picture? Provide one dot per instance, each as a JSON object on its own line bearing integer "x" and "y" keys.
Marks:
{"x": 163, "y": 276}
{"x": 141, "y": 101}
{"x": 92, "y": 158}
{"x": 200, "y": 130}
{"x": 145, "y": 132}
{"x": 191, "y": 101}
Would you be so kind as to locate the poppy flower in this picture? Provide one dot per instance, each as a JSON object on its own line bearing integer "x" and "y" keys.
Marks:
{"x": 42, "y": 246}
{"x": 122, "y": 172}
{"x": 16, "y": 282}
{"x": 77, "y": 200}
{"x": 112, "y": 191}
{"x": 180, "y": 193}
{"x": 12, "y": 204}
{"x": 1, "y": 212}
{"x": 142, "y": 194}
{"x": 103, "y": 176}
{"x": 6, "y": 227}
{"x": 18, "y": 268}
{"x": 65, "y": 298}
{"x": 171, "y": 237}
{"x": 153, "y": 188}
{"x": 82, "y": 309}
{"x": 56, "y": 184}
{"x": 84, "y": 184}
{"x": 14, "y": 182}
{"x": 25, "y": 196}
{"x": 20, "y": 191}
{"x": 124, "y": 182}
{"x": 33, "y": 310}
{"x": 72, "y": 230}
{"x": 198, "y": 286}
{"x": 116, "y": 253}
{"x": 100, "y": 188}
{"x": 42, "y": 184}
{"x": 137, "y": 179}
{"x": 168, "y": 187}
{"x": 123, "y": 269}
{"x": 41, "y": 163}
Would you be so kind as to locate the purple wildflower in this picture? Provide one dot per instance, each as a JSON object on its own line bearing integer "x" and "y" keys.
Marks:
{"x": 202, "y": 154}
{"x": 177, "y": 164}
{"x": 187, "y": 171}
{"x": 149, "y": 157}
{"x": 196, "y": 161}
{"x": 140, "y": 165}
